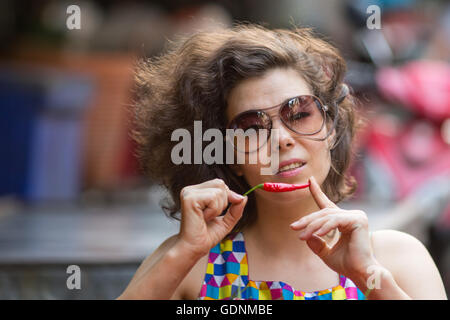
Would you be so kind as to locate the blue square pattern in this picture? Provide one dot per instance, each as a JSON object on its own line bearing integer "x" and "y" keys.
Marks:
{"x": 238, "y": 246}
{"x": 326, "y": 296}
{"x": 253, "y": 293}
{"x": 212, "y": 292}
{"x": 220, "y": 269}
{"x": 287, "y": 294}
{"x": 233, "y": 267}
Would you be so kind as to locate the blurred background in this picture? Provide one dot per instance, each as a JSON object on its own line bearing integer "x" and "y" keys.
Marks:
{"x": 70, "y": 189}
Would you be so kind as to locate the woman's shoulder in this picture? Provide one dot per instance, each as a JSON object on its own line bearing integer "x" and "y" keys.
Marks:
{"x": 397, "y": 250}
{"x": 393, "y": 240}
{"x": 392, "y": 244}
{"x": 410, "y": 263}
{"x": 381, "y": 237}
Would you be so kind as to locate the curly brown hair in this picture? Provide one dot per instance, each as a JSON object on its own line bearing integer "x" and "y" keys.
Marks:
{"x": 192, "y": 82}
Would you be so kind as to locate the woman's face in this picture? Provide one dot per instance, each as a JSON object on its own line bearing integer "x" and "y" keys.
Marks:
{"x": 273, "y": 88}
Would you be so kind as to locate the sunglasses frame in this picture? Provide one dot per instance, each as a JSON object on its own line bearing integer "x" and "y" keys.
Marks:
{"x": 323, "y": 108}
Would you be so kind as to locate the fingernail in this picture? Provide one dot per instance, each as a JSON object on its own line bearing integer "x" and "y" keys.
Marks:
{"x": 294, "y": 224}
{"x": 237, "y": 195}
{"x": 241, "y": 202}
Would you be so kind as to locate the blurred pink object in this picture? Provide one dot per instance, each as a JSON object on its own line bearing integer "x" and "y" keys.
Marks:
{"x": 413, "y": 155}
{"x": 422, "y": 86}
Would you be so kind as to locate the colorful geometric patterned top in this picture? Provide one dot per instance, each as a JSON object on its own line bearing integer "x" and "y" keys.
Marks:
{"x": 227, "y": 278}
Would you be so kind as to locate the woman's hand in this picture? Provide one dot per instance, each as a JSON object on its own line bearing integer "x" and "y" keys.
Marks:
{"x": 202, "y": 226}
{"x": 352, "y": 254}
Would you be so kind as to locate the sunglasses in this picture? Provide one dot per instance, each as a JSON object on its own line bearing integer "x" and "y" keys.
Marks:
{"x": 305, "y": 115}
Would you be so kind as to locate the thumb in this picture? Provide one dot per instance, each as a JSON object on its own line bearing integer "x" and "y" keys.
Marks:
{"x": 234, "y": 213}
{"x": 318, "y": 246}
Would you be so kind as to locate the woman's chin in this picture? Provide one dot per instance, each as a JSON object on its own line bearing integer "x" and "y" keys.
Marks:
{"x": 289, "y": 196}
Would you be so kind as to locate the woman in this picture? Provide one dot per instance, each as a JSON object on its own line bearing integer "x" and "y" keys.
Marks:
{"x": 290, "y": 245}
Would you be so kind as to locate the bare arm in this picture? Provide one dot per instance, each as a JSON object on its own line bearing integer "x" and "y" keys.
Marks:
{"x": 160, "y": 274}
{"x": 202, "y": 227}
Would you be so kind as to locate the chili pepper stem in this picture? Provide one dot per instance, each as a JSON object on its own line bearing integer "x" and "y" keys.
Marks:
{"x": 254, "y": 188}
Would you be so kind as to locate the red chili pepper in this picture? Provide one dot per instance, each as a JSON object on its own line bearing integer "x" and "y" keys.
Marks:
{"x": 273, "y": 187}
{"x": 283, "y": 187}
{"x": 278, "y": 187}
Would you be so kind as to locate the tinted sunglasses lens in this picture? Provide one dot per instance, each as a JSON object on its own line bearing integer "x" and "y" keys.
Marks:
{"x": 303, "y": 114}
{"x": 251, "y": 131}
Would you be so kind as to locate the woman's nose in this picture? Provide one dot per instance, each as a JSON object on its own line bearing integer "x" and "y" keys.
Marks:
{"x": 285, "y": 139}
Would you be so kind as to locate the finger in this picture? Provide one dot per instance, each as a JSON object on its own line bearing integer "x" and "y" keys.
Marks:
{"x": 319, "y": 196}
{"x": 303, "y": 222}
{"x": 212, "y": 201}
{"x": 219, "y": 183}
{"x": 313, "y": 227}
{"x": 225, "y": 199}
{"x": 318, "y": 246}
{"x": 234, "y": 214}
{"x": 326, "y": 228}
{"x": 231, "y": 196}
{"x": 345, "y": 223}
{"x": 207, "y": 203}
{"x": 214, "y": 183}
{"x": 234, "y": 197}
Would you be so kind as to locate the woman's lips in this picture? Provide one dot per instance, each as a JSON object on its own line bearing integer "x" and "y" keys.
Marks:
{"x": 291, "y": 172}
